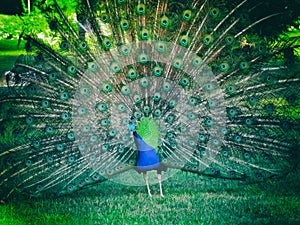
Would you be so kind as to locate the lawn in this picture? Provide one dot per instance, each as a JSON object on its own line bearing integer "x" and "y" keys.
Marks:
{"x": 189, "y": 199}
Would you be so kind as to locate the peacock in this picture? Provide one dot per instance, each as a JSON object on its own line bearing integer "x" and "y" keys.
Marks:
{"x": 131, "y": 86}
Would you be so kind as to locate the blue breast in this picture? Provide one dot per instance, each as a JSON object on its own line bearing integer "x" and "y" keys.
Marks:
{"x": 147, "y": 156}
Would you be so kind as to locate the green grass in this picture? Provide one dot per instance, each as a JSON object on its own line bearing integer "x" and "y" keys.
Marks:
{"x": 189, "y": 199}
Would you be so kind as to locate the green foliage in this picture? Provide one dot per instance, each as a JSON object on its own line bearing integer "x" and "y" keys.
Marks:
{"x": 36, "y": 23}
{"x": 291, "y": 38}
{"x": 25, "y": 8}
{"x": 10, "y": 27}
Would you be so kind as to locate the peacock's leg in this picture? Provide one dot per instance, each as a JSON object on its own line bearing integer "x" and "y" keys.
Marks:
{"x": 160, "y": 186}
{"x": 147, "y": 183}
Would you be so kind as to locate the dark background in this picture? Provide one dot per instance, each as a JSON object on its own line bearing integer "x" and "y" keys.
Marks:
{"x": 11, "y": 7}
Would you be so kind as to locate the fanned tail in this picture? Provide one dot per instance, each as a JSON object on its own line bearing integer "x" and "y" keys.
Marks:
{"x": 225, "y": 103}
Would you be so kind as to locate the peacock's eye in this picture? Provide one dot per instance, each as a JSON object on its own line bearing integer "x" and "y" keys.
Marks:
{"x": 64, "y": 45}
{"x": 157, "y": 112}
{"x": 207, "y": 39}
{"x": 186, "y": 15}
{"x": 125, "y": 90}
{"x": 214, "y": 12}
{"x": 144, "y": 82}
{"x": 83, "y": 45}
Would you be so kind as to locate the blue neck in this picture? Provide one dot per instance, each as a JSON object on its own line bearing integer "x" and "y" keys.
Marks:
{"x": 147, "y": 156}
